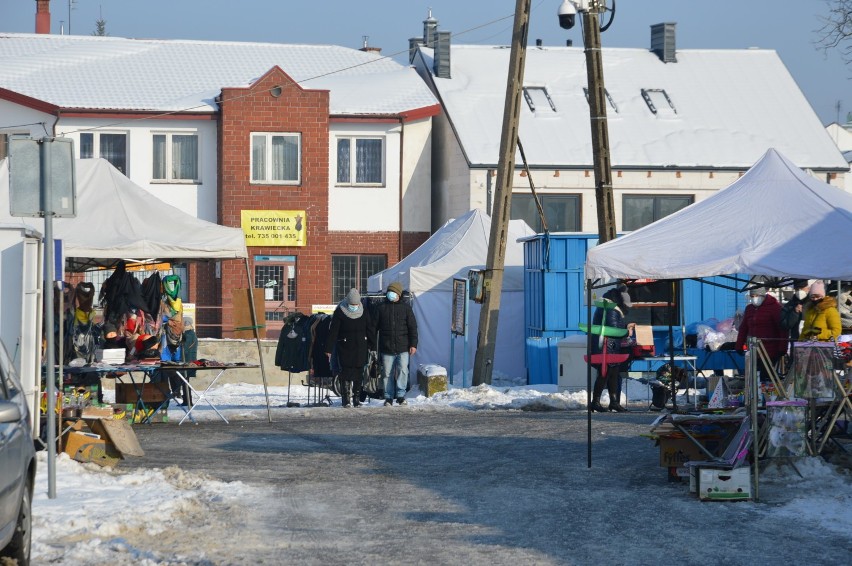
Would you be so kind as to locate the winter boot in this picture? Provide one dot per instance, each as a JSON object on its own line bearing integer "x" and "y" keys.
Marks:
{"x": 596, "y": 396}
{"x": 356, "y": 393}
{"x": 346, "y": 393}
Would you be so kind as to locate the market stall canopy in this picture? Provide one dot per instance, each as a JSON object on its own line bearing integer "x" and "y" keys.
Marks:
{"x": 775, "y": 220}
{"x": 457, "y": 247}
{"x": 117, "y": 219}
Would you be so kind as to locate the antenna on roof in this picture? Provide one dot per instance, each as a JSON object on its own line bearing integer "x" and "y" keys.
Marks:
{"x": 366, "y": 37}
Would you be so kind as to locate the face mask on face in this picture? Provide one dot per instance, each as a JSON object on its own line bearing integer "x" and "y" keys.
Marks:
{"x": 392, "y": 297}
{"x": 353, "y": 308}
{"x": 757, "y": 301}
{"x": 801, "y": 295}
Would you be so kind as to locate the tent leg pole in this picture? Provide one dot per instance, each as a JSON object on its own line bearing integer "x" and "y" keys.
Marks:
{"x": 257, "y": 339}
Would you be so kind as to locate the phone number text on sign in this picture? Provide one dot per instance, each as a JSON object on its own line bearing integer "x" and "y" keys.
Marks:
{"x": 274, "y": 227}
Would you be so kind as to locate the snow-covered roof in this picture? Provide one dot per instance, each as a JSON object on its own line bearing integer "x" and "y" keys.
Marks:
{"x": 113, "y": 73}
{"x": 727, "y": 108}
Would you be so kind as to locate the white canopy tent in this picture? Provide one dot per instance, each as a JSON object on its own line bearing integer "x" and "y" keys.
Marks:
{"x": 776, "y": 221}
{"x": 428, "y": 273}
{"x": 118, "y": 220}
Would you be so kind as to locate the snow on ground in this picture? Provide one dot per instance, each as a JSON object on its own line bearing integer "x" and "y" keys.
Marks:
{"x": 111, "y": 498}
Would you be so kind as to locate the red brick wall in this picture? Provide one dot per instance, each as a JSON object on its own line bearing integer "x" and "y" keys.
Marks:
{"x": 296, "y": 110}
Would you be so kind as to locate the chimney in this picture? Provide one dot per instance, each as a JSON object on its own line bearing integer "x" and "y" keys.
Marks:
{"x": 413, "y": 44}
{"x": 367, "y": 49}
{"x": 430, "y": 27}
{"x": 42, "y": 19}
{"x": 441, "y": 62}
{"x": 538, "y": 43}
{"x": 663, "y": 42}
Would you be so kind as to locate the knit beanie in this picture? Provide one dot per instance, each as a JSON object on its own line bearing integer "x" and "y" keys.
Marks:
{"x": 353, "y": 297}
{"x": 396, "y": 287}
{"x": 818, "y": 288}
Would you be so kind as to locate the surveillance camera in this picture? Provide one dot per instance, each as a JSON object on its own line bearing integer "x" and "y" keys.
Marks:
{"x": 567, "y": 11}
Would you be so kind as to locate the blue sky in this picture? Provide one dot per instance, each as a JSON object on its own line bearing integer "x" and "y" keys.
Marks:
{"x": 788, "y": 26}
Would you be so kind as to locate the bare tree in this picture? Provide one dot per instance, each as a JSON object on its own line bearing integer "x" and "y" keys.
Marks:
{"x": 836, "y": 32}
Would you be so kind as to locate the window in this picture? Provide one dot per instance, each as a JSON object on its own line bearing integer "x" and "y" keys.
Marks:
{"x": 538, "y": 99}
{"x": 609, "y": 100}
{"x": 638, "y": 211}
{"x": 175, "y": 157}
{"x": 112, "y": 147}
{"x": 276, "y": 158}
{"x": 658, "y": 102}
{"x": 561, "y": 211}
{"x": 361, "y": 159}
{"x": 276, "y": 275}
{"x": 348, "y": 271}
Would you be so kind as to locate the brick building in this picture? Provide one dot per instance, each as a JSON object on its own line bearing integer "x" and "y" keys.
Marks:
{"x": 322, "y": 154}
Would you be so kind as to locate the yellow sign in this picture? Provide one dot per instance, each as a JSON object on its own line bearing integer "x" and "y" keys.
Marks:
{"x": 274, "y": 227}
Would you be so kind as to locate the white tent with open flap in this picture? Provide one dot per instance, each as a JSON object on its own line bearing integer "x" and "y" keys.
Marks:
{"x": 428, "y": 273}
{"x": 119, "y": 220}
{"x": 775, "y": 220}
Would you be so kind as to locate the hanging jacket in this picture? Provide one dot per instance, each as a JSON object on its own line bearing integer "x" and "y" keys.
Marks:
{"x": 291, "y": 354}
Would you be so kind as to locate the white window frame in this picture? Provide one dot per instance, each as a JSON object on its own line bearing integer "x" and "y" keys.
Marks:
{"x": 96, "y": 145}
{"x": 268, "y": 157}
{"x": 353, "y": 164}
{"x": 169, "y": 178}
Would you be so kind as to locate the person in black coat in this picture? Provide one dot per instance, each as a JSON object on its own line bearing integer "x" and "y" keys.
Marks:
{"x": 353, "y": 336}
{"x": 397, "y": 329}
{"x": 612, "y": 317}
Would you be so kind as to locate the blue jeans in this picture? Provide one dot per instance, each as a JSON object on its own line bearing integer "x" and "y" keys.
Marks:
{"x": 390, "y": 362}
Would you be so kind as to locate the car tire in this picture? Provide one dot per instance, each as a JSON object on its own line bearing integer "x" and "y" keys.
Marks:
{"x": 21, "y": 544}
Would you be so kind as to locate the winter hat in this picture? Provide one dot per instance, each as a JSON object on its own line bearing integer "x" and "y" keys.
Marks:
{"x": 758, "y": 291}
{"x": 396, "y": 287}
{"x": 188, "y": 323}
{"x": 800, "y": 283}
{"x": 353, "y": 297}
{"x": 818, "y": 288}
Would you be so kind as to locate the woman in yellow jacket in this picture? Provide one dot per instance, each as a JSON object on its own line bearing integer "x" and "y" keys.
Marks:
{"x": 821, "y": 317}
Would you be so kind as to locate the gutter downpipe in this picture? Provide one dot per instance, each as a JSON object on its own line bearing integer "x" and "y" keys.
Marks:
{"x": 400, "y": 247}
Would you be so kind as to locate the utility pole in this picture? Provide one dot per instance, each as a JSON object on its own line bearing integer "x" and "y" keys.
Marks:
{"x": 493, "y": 277}
{"x": 600, "y": 130}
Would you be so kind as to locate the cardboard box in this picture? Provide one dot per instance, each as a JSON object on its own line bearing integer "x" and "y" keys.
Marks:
{"x": 83, "y": 447}
{"x": 644, "y": 341}
{"x": 714, "y": 484}
{"x": 151, "y": 392}
{"x": 676, "y": 452}
{"x": 92, "y": 412}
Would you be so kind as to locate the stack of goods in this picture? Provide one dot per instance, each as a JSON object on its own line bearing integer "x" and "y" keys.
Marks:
{"x": 110, "y": 356}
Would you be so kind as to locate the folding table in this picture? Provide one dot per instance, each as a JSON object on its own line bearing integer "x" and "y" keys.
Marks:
{"x": 181, "y": 370}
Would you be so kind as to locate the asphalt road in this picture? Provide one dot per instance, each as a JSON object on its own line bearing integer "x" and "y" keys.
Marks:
{"x": 408, "y": 486}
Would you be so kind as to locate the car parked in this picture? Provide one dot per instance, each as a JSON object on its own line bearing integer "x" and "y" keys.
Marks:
{"x": 17, "y": 466}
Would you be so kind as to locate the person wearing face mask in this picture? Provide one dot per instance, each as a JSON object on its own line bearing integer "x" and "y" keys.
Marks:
{"x": 397, "y": 330}
{"x": 353, "y": 335}
{"x": 821, "y": 317}
{"x": 762, "y": 319}
{"x": 791, "y": 312}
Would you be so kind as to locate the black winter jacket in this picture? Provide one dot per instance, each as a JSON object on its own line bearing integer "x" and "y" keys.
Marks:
{"x": 397, "y": 327}
{"x": 354, "y": 337}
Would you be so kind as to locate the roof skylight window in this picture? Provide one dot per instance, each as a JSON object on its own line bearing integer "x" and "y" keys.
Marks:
{"x": 610, "y": 102}
{"x": 658, "y": 102}
{"x": 538, "y": 99}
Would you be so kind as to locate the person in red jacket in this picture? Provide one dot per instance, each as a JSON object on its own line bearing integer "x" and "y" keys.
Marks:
{"x": 762, "y": 319}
